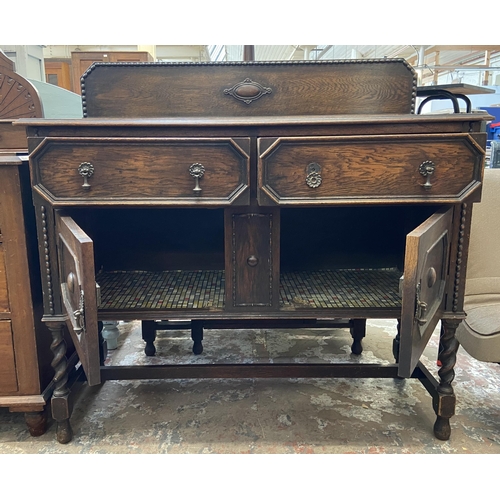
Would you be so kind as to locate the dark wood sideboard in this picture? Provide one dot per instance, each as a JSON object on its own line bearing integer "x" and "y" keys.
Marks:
{"x": 254, "y": 193}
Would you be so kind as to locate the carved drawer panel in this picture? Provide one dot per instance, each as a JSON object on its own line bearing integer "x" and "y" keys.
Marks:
{"x": 318, "y": 170}
{"x": 8, "y": 377}
{"x": 4, "y": 297}
{"x": 186, "y": 172}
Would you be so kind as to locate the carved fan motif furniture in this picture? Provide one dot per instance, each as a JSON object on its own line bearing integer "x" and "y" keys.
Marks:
{"x": 255, "y": 194}
{"x": 25, "y": 358}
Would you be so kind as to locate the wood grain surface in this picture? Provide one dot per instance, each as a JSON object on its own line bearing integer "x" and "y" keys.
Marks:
{"x": 295, "y": 88}
{"x": 133, "y": 169}
{"x": 4, "y": 295}
{"x": 366, "y": 167}
{"x": 8, "y": 376}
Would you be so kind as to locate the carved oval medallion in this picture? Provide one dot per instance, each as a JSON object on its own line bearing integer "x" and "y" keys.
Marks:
{"x": 247, "y": 91}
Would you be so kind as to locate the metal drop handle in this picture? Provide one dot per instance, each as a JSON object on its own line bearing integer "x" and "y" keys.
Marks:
{"x": 86, "y": 170}
{"x": 197, "y": 170}
{"x": 427, "y": 168}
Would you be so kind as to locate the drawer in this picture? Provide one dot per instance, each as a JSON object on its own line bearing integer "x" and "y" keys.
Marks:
{"x": 318, "y": 170}
{"x": 142, "y": 171}
{"x": 4, "y": 296}
{"x": 8, "y": 377}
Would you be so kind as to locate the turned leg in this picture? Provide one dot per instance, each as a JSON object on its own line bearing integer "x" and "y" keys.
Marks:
{"x": 444, "y": 404}
{"x": 395, "y": 342}
{"x": 61, "y": 410}
{"x": 358, "y": 332}
{"x": 440, "y": 348}
{"x": 197, "y": 336}
{"x": 36, "y": 422}
{"x": 149, "y": 336}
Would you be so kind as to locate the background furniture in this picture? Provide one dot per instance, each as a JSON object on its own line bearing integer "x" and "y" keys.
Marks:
{"x": 66, "y": 73}
{"x": 255, "y": 192}
{"x": 452, "y": 92}
{"x": 25, "y": 356}
{"x": 479, "y": 333}
{"x": 25, "y": 372}
{"x": 81, "y": 61}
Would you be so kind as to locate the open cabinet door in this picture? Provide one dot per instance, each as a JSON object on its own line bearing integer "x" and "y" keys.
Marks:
{"x": 78, "y": 290}
{"x": 424, "y": 283}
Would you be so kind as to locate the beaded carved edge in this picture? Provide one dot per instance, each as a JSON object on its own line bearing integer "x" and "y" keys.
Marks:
{"x": 332, "y": 62}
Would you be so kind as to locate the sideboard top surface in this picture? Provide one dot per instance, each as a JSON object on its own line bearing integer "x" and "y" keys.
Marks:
{"x": 250, "y": 121}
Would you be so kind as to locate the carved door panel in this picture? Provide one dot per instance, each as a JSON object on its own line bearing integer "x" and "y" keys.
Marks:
{"x": 78, "y": 291}
{"x": 424, "y": 284}
{"x": 252, "y": 269}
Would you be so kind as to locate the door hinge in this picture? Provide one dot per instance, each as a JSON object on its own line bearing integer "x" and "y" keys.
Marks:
{"x": 98, "y": 295}
{"x": 79, "y": 315}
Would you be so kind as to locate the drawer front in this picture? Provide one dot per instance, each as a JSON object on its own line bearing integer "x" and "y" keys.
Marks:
{"x": 318, "y": 170}
{"x": 134, "y": 171}
{"x": 4, "y": 296}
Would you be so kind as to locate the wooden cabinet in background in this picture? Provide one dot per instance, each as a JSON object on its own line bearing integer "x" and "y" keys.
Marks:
{"x": 26, "y": 371}
{"x": 25, "y": 356}
{"x": 80, "y": 62}
{"x": 59, "y": 73}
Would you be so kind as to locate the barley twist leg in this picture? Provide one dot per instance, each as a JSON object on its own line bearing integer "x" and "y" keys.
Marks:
{"x": 60, "y": 397}
{"x": 445, "y": 402}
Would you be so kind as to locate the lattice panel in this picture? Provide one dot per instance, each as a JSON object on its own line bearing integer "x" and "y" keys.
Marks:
{"x": 161, "y": 290}
{"x": 331, "y": 289}
{"x": 344, "y": 288}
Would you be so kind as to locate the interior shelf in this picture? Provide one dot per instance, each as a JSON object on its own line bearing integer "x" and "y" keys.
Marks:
{"x": 325, "y": 289}
{"x": 161, "y": 289}
{"x": 341, "y": 288}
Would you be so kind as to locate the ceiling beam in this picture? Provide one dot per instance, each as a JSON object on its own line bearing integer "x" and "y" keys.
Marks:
{"x": 469, "y": 48}
{"x": 473, "y": 67}
{"x": 480, "y": 49}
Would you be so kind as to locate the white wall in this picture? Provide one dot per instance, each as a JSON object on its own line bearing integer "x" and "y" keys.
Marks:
{"x": 28, "y": 60}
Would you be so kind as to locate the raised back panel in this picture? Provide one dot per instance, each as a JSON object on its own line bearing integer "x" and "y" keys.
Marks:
{"x": 157, "y": 90}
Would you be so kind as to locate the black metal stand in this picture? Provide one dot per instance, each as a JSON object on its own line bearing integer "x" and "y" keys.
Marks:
{"x": 435, "y": 94}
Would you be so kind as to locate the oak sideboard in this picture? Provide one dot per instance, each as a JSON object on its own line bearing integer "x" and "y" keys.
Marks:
{"x": 255, "y": 193}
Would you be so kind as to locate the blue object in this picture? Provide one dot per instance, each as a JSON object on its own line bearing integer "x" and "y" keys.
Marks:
{"x": 495, "y": 131}
{"x": 493, "y": 111}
